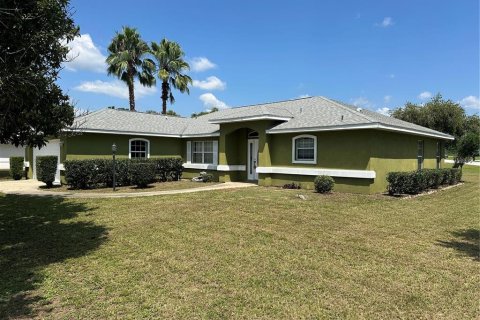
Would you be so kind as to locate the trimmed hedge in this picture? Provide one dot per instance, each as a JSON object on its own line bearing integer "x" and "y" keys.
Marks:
{"x": 46, "y": 169}
{"x": 142, "y": 173}
{"x": 92, "y": 173}
{"x": 169, "y": 168}
{"x": 414, "y": 182}
{"x": 16, "y": 167}
{"x": 323, "y": 184}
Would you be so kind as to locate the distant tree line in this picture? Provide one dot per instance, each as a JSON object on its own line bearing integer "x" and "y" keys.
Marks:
{"x": 448, "y": 117}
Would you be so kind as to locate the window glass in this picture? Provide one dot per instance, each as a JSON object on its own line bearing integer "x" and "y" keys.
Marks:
{"x": 197, "y": 158}
{"x": 420, "y": 148}
{"x": 208, "y": 158}
{"x": 197, "y": 146}
{"x": 305, "y": 149}
{"x": 439, "y": 154}
{"x": 202, "y": 152}
{"x": 138, "y": 149}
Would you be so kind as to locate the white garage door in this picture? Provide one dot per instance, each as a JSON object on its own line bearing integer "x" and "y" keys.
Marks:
{"x": 51, "y": 149}
{"x": 7, "y": 151}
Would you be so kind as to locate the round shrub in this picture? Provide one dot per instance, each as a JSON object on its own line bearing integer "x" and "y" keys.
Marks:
{"x": 142, "y": 174}
{"x": 16, "y": 167}
{"x": 169, "y": 168}
{"x": 445, "y": 176}
{"x": 46, "y": 169}
{"x": 455, "y": 176}
{"x": 323, "y": 184}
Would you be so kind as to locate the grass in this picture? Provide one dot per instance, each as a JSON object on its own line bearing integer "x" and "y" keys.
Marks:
{"x": 247, "y": 253}
{"x": 158, "y": 186}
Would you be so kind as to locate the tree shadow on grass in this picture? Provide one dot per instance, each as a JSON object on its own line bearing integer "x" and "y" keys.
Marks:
{"x": 36, "y": 232}
{"x": 467, "y": 243}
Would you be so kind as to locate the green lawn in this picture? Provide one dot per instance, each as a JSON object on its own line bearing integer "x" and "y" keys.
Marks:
{"x": 247, "y": 253}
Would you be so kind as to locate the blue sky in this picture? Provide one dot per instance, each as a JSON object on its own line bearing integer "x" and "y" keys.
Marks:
{"x": 374, "y": 54}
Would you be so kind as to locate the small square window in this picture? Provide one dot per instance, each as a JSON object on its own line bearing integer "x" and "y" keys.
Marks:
{"x": 138, "y": 149}
{"x": 304, "y": 149}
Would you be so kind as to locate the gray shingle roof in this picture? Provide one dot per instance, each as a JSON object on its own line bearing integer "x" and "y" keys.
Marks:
{"x": 122, "y": 121}
{"x": 320, "y": 113}
{"x": 306, "y": 114}
{"x": 274, "y": 110}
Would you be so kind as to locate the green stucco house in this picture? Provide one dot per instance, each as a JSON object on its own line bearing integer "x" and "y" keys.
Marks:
{"x": 271, "y": 144}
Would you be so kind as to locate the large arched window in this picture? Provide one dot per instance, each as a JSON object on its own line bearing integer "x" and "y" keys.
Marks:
{"x": 304, "y": 149}
{"x": 139, "y": 148}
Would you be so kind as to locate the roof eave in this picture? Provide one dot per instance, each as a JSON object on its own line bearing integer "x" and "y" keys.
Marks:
{"x": 201, "y": 135}
{"x": 378, "y": 126}
{"x": 147, "y": 134}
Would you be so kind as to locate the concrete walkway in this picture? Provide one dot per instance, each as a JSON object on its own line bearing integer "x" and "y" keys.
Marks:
{"x": 31, "y": 188}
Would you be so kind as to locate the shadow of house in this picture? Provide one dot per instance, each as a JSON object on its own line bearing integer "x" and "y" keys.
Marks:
{"x": 36, "y": 232}
{"x": 467, "y": 242}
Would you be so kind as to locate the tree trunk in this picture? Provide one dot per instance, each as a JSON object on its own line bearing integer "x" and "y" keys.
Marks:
{"x": 164, "y": 96}
{"x": 458, "y": 162}
{"x": 131, "y": 89}
{"x": 131, "y": 96}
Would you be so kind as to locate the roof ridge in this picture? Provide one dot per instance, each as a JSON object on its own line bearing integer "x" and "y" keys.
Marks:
{"x": 260, "y": 104}
{"x": 350, "y": 109}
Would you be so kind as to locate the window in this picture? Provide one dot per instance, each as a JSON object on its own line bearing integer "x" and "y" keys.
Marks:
{"x": 439, "y": 154}
{"x": 202, "y": 152}
{"x": 139, "y": 148}
{"x": 420, "y": 148}
{"x": 304, "y": 149}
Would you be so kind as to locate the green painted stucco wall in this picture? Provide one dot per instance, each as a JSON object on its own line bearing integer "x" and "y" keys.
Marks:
{"x": 398, "y": 152}
{"x": 380, "y": 151}
{"x": 232, "y": 146}
{"x": 96, "y": 145}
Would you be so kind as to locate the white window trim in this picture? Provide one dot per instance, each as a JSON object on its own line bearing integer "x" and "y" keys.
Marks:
{"x": 314, "y": 161}
{"x": 130, "y": 146}
{"x": 232, "y": 167}
{"x": 200, "y": 166}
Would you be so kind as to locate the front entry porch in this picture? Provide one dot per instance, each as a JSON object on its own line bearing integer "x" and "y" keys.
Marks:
{"x": 243, "y": 147}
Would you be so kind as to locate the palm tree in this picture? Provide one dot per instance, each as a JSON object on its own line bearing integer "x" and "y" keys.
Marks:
{"x": 170, "y": 65}
{"x": 126, "y": 60}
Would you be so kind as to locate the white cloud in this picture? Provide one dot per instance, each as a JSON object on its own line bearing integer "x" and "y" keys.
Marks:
{"x": 385, "y": 111}
{"x": 114, "y": 88}
{"x": 199, "y": 64}
{"x": 425, "y": 95}
{"x": 386, "y": 22}
{"x": 212, "y": 83}
{"x": 470, "y": 102}
{"x": 210, "y": 101}
{"x": 84, "y": 55}
{"x": 361, "y": 102}
{"x": 306, "y": 95}
{"x": 387, "y": 99}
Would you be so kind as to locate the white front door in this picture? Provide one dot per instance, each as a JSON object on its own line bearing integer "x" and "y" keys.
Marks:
{"x": 252, "y": 160}
{"x": 52, "y": 148}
